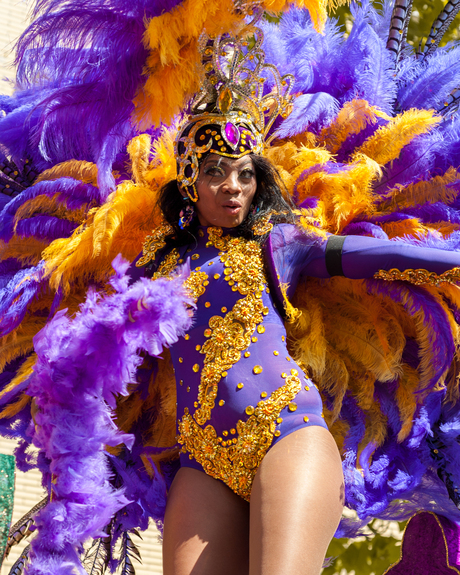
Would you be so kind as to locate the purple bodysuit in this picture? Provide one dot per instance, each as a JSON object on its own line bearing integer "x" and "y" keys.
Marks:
{"x": 238, "y": 389}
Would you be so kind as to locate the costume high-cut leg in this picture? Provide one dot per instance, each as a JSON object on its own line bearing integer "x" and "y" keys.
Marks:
{"x": 238, "y": 389}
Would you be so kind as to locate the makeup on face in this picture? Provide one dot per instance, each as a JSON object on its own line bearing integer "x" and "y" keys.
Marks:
{"x": 226, "y": 188}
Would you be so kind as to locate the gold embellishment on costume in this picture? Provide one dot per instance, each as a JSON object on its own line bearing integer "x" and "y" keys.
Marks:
{"x": 167, "y": 265}
{"x": 154, "y": 243}
{"x": 236, "y": 462}
{"x": 228, "y": 336}
{"x": 263, "y": 226}
{"x": 292, "y": 313}
{"x": 420, "y": 276}
{"x": 194, "y": 284}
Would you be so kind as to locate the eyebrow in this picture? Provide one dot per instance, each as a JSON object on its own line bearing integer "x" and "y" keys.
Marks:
{"x": 224, "y": 162}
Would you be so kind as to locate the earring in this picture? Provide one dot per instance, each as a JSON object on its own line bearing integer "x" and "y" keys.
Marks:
{"x": 186, "y": 215}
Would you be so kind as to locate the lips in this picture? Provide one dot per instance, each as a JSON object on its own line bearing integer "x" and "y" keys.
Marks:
{"x": 232, "y": 207}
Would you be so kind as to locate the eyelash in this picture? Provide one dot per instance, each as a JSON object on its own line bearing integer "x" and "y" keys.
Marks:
{"x": 247, "y": 173}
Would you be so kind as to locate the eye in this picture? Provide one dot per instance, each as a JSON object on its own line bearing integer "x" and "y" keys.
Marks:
{"x": 214, "y": 171}
{"x": 247, "y": 174}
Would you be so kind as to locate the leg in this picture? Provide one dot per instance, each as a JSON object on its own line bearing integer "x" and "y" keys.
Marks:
{"x": 206, "y": 530}
{"x": 296, "y": 504}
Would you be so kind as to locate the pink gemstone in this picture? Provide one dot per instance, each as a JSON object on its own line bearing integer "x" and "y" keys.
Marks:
{"x": 232, "y": 133}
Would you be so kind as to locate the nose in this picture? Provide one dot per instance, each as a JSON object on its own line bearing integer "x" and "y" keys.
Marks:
{"x": 232, "y": 184}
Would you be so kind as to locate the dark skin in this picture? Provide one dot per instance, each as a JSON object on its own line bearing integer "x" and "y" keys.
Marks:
{"x": 297, "y": 495}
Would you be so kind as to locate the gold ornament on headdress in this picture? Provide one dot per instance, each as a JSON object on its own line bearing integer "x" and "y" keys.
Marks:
{"x": 231, "y": 115}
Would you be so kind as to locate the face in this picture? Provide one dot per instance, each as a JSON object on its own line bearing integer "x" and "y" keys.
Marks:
{"x": 225, "y": 189}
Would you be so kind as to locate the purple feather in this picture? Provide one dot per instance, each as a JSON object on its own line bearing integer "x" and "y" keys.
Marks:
{"x": 82, "y": 365}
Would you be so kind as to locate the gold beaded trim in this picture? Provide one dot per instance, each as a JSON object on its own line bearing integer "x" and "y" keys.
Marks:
{"x": 263, "y": 226}
{"x": 167, "y": 265}
{"x": 195, "y": 284}
{"x": 419, "y": 276}
{"x": 229, "y": 335}
{"x": 236, "y": 462}
{"x": 154, "y": 243}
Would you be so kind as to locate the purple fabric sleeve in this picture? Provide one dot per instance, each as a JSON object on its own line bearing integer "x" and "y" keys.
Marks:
{"x": 363, "y": 256}
{"x": 296, "y": 254}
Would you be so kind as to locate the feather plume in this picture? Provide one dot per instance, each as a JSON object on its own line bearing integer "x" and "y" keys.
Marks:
{"x": 85, "y": 172}
{"x": 353, "y": 117}
{"x": 386, "y": 144}
{"x": 22, "y": 528}
{"x": 98, "y": 555}
{"x": 20, "y": 563}
{"x": 67, "y": 424}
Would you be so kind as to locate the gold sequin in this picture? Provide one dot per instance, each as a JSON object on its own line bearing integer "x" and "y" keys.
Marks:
{"x": 307, "y": 388}
{"x": 224, "y": 310}
{"x": 283, "y": 338}
{"x": 188, "y": 389}
{"x": 279, "y": 420}
{"x": 263, "y": 394}
{"x": 221, "y": 402}
{"x": 236, "y": 462}
{"x": 247, "y": 354}
{"x": 294, "y": 372}
{"x": 194, "y": 284}
{"x": 232, "y": 431}
{"x": 292, "y": 406}
{"x": 198, "y": 347}
{"x": 200, "y": 232}
{"x": 207, "y": 304}
{"x": 306, "y": 419}
{"x": 420, "y": 276}
{"x": 154, "y": 243}
{"x": 276, "y": 352}
{"x": 260, "y": 329}
{"x": 277, "y": 433}
{"x": 195, "y": 256}
{"x": 225, "y": 433}
{"x": 249, "y": 410}
{"x": 284, "y": 375}
{"x": 207, "y": 333}
{"x": 288, "y": 358}
{"x": 224, "y": 374}
{"x": 216, "y": 276}
{"x": 257, "y": 369}
{"x": 254, "y": 339}
{"x": 181, "y": 382}
{"x": 196, "y": 368}
{"x": 181, "y": 360}
{"x": 186, "y": 336}
{"x": 240, "y": 385}
{"x": 167, "y": 265}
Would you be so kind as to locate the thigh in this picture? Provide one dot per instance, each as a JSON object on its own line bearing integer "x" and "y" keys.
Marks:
{"x": 296, "y": 504}
{"x": 206, "y": 528}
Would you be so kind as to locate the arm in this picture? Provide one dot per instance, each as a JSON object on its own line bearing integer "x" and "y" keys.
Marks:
{"x": 359, "y": 257}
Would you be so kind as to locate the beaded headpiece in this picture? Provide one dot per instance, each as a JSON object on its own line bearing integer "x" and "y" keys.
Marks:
{"x": 233, "y": 113}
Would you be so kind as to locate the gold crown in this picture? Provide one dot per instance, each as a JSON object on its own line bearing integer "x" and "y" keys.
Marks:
{"x": 233, "y": 112}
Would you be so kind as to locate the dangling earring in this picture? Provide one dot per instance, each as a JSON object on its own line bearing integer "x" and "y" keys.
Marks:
{"x": 254, "y": 209}
{"x": 186, "y": 215}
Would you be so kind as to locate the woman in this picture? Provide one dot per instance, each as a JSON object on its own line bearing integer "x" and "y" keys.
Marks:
{"x": 279, "y": 492}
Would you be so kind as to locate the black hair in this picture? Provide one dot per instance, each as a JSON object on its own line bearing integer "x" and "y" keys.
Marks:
{"x": 269, "y": 198}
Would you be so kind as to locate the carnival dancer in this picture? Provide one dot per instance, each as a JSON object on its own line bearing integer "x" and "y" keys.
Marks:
{"x": 292, "y": 339}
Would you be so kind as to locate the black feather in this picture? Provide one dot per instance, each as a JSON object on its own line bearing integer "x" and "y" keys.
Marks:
{"x": 440, "y": 26}
{"x": 19, "y": 565}
{"x": 128, "y": 552}
{"x": 21, "y": 529}
{"x": 97, "y": 556}
{"x": 399, "y": 24}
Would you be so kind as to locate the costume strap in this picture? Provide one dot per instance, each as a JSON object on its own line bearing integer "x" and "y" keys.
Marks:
{"x": 334, "y": 248}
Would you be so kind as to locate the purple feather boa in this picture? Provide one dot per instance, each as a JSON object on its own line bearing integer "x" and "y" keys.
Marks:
{"x": 82, "y": 365}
